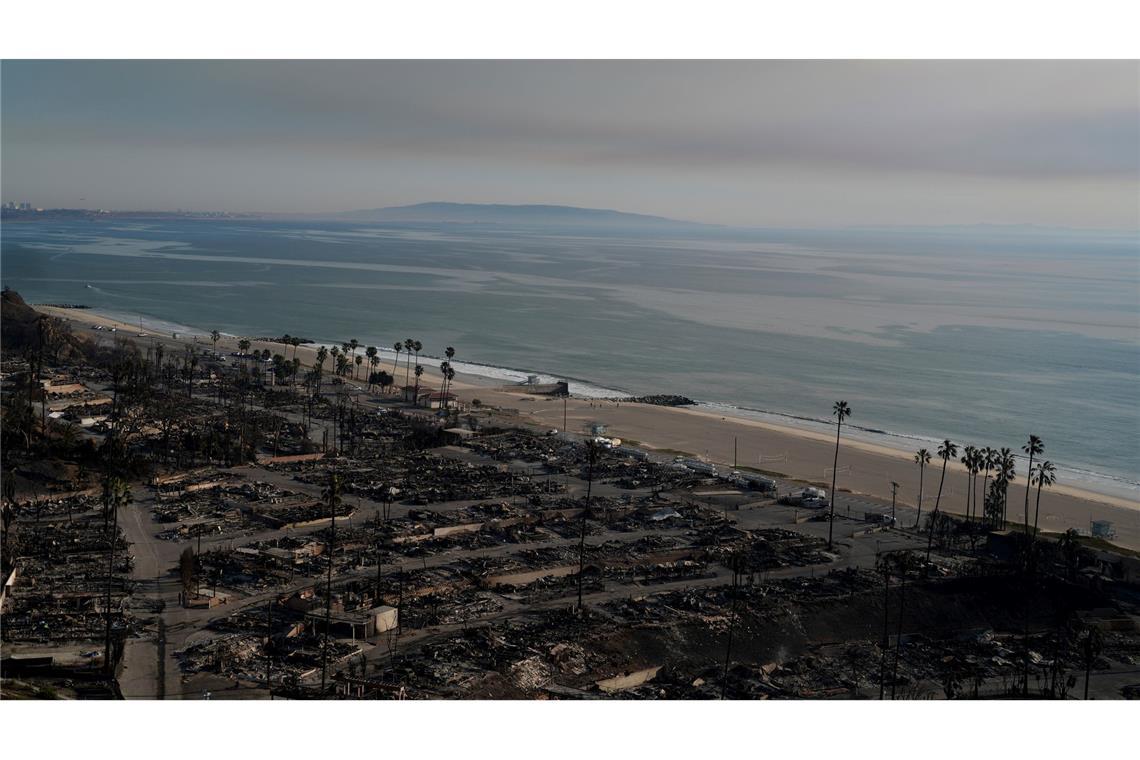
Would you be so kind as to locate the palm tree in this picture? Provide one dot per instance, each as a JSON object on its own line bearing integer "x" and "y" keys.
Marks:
{"x": 921, "y": 458}
{"x": 1046, "y": 476}
{"x": 987, "y": 459}
{"x": 967, "y": 461}
{"x": 215, "y": 336}
{"x": 370, "y": 352}
{"x": 408, "y": 343}
{"x": 294, "y": 341}
{"x": 1006, "y": 472}
{"x": 243, "y": 345}
{"x": 841, "y": 411}
{"x": 397, "y": 347}
{"x": 384, "y": 380}
{"x": 322, "y": 355}
{"x": 1032, "y": 447}
{"x": 946, "y": 450}
{"x": 416, "y": 397}
{"x": 353, "y": 344}
{"x": 449, "y": 352}
{"x": 358, "y": 361}
{"x": 976, "y": 467}
{"x": 373, "y": 363}
{"x": 417, "y": 347}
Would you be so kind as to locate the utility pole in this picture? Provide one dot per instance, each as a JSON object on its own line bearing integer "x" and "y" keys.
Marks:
{"x": 735, "y": 560}
{"x": 334, "y": 488}
{"x": 894, "y": 493}
{"x": 886, "y": 570}
{"x": 268, "y": 645}
{"x": 592, "y": 452}
{"x": 113, "y": 535}
{"x": 198, "y": 556}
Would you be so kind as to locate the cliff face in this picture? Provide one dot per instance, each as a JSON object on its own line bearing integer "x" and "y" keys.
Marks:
{"x": 17, "y": 321}
{"x": 20, "y": 331}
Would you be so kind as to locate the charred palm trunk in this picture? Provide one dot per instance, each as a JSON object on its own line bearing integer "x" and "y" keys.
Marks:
{"x": 898, "y": 635}
{"x": 934, "y": 515}
{"x": 592, "y": 451}
{"x": 834, "y": 472}
{"x": 886, "y": 634}
{"x": 918, "y": 516}
{"x": 1037, "y": 509}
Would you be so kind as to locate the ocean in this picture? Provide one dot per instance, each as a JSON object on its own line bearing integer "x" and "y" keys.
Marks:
{"x": 978, "y": 334}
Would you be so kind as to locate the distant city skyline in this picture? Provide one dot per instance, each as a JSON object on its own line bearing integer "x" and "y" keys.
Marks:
{"x": 763, "y": 143}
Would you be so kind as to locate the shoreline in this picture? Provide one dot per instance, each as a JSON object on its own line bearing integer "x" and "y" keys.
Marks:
{"x": 1110, "y": 487}
{"x": 865, "y": 467}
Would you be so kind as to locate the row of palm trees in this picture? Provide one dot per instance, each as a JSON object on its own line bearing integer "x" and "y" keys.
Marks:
{"x": 983, "y": 461}
{"x": 977, "y": 461}
{"x": 347, "y": 363}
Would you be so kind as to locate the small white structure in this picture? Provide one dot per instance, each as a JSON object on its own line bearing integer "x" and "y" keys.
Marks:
{"x": 385, "y": 618}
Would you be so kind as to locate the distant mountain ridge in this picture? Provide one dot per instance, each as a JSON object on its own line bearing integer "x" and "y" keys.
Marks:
{"x": 502, "y": 213}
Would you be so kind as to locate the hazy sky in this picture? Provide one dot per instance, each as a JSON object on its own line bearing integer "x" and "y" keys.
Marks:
{"x": 752, "y": 143}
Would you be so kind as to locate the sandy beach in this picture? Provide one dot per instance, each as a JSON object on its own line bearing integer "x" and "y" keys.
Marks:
{"x": 864, "y": 468}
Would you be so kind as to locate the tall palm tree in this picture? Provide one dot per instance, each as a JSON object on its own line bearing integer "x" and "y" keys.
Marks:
{"x": 978, "y": 463}
{"x": 921, "y": 458}
{"x": 408, "y": 343}
{"x": 1046, "y": 476}
{"x": 946, "y": 450}
{"x": 215, "y": 336}
{"x": 295, "y": 342}
{"x": 986, "y": 460}
{"x": 322, "y": 355}
{"x": 397, "y": 347}
{"x": 1006, "y": 472}
{"x": 371, "y": 352}
{"x": 416, "y": 397}
{"x": 373, "y": 363}
{"x": 449, "y": 352}
{"x": 353, "y": 344}
{"x": 417, "y": 347}
{"x": 359, "y": 360}
{"x": 841, "y": 411}
{"x": 1032, "y": 447}
{"x": 967, "y": 461}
